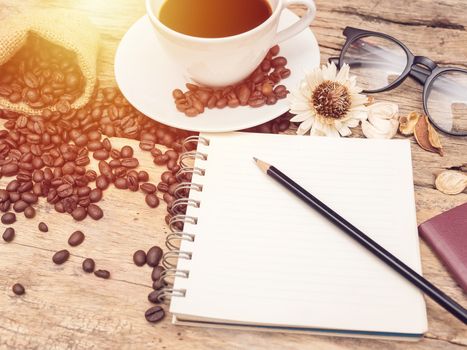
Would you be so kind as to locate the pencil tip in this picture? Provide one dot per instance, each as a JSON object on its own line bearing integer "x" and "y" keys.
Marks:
{"x": 261, "y": 164}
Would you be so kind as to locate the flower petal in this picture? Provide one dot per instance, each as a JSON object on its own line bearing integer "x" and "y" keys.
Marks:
{"x": 345, "y": 131}
{"x": 330, "y": 130}
{"x": 313, "y": 79}
{"x": 316, "y": 130}
{"x": 302, "y": 117}
{"x": 352, "y": 123}
{"x": 329, "y": 71}
{"x": 305, "y": 127}
{"x": 343, "y": 74}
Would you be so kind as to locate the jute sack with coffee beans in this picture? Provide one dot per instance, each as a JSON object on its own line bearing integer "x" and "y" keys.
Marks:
{"x": 59, "y": 29}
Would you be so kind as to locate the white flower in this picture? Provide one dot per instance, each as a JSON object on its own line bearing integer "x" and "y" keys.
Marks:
{"x": 328, "y": 102}
{"x": 383, "y": 121}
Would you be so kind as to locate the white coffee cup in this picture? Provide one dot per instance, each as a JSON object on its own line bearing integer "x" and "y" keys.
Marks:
{"x": 225, "y": 61}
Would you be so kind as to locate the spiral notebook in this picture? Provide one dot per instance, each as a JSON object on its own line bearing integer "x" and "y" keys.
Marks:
{"x": 253, "y": 256}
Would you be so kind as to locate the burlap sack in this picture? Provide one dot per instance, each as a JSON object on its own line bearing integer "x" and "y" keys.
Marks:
{"x": 65, "y": 28}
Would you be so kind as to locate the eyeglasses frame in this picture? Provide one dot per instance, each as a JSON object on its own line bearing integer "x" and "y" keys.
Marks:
{"x": 420, "y": 68}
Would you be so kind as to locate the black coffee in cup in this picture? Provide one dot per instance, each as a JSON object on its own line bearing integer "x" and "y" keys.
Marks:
{"x": 214, "y": 18}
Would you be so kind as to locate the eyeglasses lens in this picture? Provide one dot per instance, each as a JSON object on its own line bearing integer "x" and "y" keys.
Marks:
{"x": 447, "y": 102}
{"x": 377, "y": 62}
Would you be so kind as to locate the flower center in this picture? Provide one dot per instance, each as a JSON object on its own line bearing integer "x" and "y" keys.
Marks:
{"x": 331, "y": 100}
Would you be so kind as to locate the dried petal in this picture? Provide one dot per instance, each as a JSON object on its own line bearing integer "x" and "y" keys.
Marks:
{"x": 433, "y": 137}
{"x": 451, "y": 182}
{"x": 407, "y": 123}
{"x": 422, "y": 136}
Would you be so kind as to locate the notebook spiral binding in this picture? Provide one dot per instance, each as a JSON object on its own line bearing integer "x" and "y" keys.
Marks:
{"x": 179, "y": 219}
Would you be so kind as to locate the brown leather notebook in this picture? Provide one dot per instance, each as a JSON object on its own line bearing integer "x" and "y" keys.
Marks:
{"x": 446, "y": 234}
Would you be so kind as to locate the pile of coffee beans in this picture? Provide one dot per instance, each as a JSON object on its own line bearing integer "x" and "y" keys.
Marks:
{"x": 259, "y": 89}
{"x": 47, "y": 156}
{"x": 42, "y": 74}
{"x": 152, "y": 258}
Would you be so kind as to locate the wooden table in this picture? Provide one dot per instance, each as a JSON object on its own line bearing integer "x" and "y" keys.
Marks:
{"x": 65, "y": 308}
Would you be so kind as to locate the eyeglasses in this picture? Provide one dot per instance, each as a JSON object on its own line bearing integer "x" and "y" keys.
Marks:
{"x": 382, "y": 63}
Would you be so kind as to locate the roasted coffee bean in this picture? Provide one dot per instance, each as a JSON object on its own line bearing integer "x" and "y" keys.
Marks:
{"x": 132, "y": 182}
{"x": 126, "y": 152}
{"x": 279, "y": 62}
{"x": 115, "y": 163}
{"x": 8, "y": 218}
{"x": 102, "y": 274}
{"x": 163, "y": 187}
{"x": 154, "y": 256}
{"x": 4, "y": 196}
{"x": 10, "y": 169}
{"x": 121, "y": 183}
{"x": 257, "y": 102}
{"x": 143, "y": 176}
{"x": 155, "y": 314}
{"x": 29, "y": 212}
{"x": 79, "y": 213}
{"x": 43, "y": 227}
{"x": 166, "y": 177}
{"x": 105, "y": 170}
{"x": 139, "y": 257}
{"x": 129, "y": 162}
{"x": 59, "y": 207}
{"x": 5, "y": 206}
{"x": 168, "y": 198}
{"x": 14, "y": 197}
{"x": 107, "y": 145}
{"x": 94, "y": 135}
{"x": 76, "y": 238}
{"x": 148, "y": 188}
{"x": 65, "y": 190}
{"x": 18, "y": 289}
{"x": 153, "y": 297}
{"x": 115, "y": 154}
{"x": 101, "y": 154}
{"x": 29, "y": 197}
{"x": 146, "y": 145}
{"x": 84, "y": 202}
{"x": 88, "y": 265}
{"x": 13, "y": 186}
{"x": 61, "y": 257}
{"x": 156, "y": 152}
{"x": 152, "y": 200}
{"x": 102, "y": 183}
{"x": 156, "y": 273}
{"x": 161, "y": 159}
{"x": 83, "y": 191}
{"x": 95, "y": 212}
{"x": 95, "y": 145}
{"x": 8, "y": 234}
{"x": 95, "y": 195}
{"x": 271, "y": 100}
{"x": 158, "y": 284}
{"x": 19, "y": 206}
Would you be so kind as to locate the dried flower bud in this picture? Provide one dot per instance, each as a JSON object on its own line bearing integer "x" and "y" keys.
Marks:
{"x": 427, "y": 137}
{"x": 407, "y": 123}
{"x": 383, "y": 120}
{"x": 451, "y": 182}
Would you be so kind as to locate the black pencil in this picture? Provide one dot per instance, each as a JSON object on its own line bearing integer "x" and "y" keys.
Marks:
{"x": 416, "y": 279}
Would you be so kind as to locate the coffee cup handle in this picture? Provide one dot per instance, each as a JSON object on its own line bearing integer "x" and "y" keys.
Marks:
{"x": 301, "y": 24}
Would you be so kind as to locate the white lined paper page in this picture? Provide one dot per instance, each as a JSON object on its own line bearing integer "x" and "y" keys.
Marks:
{"x": 261, "y": 256}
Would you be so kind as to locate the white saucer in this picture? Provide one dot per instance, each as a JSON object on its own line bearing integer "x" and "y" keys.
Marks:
{"x": 147, "y": 77}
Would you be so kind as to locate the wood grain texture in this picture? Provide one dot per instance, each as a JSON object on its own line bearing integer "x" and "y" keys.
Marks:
{"x": 65, "y": 308}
